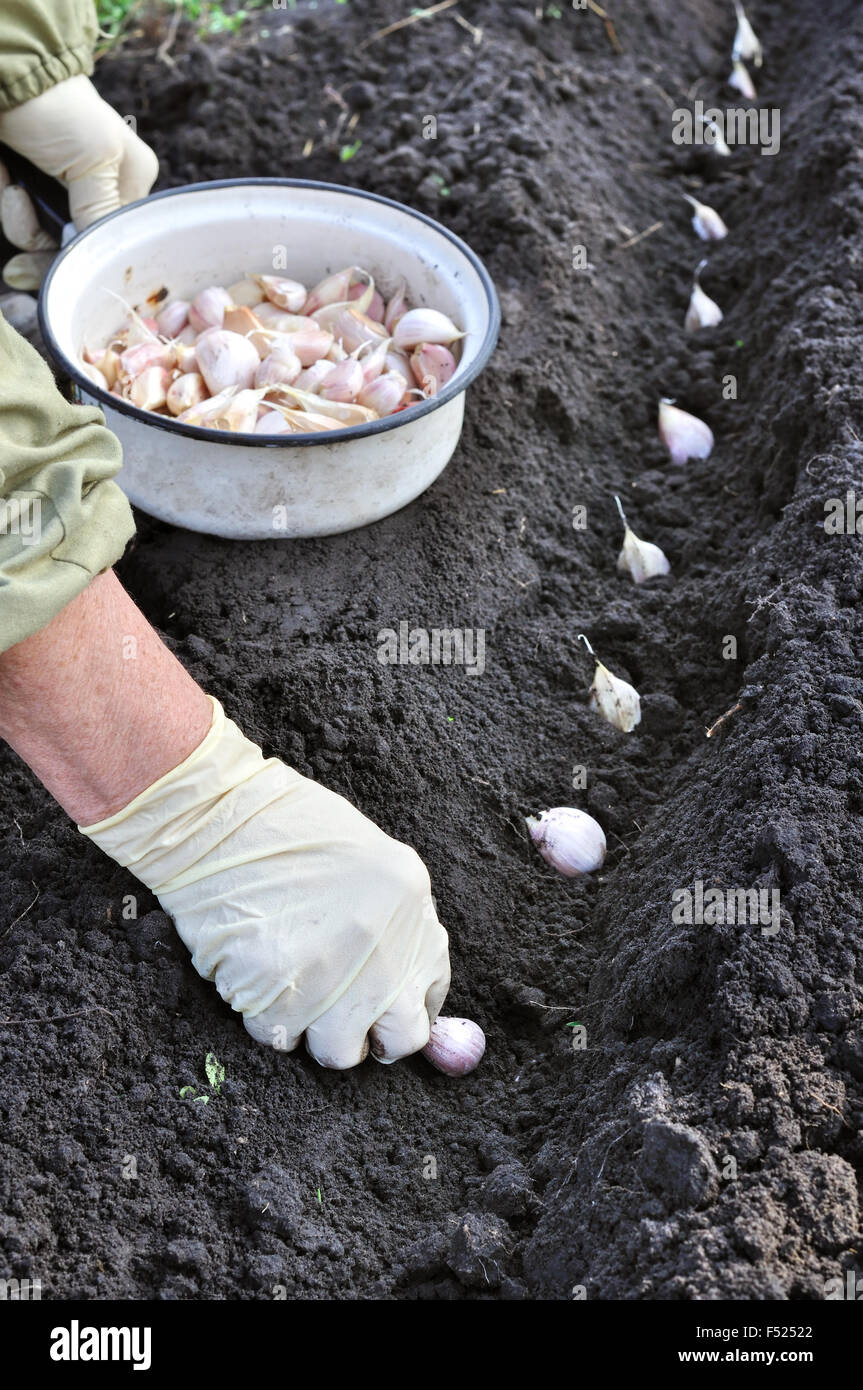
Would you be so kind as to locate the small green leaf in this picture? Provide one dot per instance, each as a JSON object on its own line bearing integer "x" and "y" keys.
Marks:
{"x": 215, "y": 1072}
{"x": 184, "y": 1091}
{"x": 348, "y": 151}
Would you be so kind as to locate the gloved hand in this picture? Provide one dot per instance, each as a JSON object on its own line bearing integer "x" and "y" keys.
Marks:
{"x": 72, "y": 134}
{"x": 309, "y": 919}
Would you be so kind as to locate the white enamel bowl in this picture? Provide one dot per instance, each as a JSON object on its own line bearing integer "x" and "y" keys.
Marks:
{"x": 253, "y": 486}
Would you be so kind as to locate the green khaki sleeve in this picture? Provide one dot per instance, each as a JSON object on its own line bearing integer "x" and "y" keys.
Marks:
{"x": 41, "y": 43}
{"x": 62, "y": 519}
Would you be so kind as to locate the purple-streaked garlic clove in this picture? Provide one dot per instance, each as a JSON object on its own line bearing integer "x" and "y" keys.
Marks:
{"x": 433, "y": 365}
{"x": 153, "y": 354}
{"x": 335, "y": 288}
{"x": 375, "y": 305}
{"x": 173, "y": 318}
{"x": 273, "y": 422}
{"x": 207, "y": 309}
{"x": 310, "y": 378}
{"x": 684, "y": 435}
{"x": 424, "y": 326}
{"x": 455, "y": 1046}
{"x": 344, "y": 383}
{"x": 569, "y": 840}
{"x": 384, "y": 393}
{"x": 311, "y": 344}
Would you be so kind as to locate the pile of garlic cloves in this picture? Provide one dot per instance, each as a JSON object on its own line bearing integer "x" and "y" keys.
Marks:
{"x": 268, "y": 356}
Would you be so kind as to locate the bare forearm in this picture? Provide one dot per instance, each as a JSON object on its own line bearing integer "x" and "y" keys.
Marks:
{"x": 97, "y": 706}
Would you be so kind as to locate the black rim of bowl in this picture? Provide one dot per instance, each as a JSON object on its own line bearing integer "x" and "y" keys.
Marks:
{"x": 453, "y": 388}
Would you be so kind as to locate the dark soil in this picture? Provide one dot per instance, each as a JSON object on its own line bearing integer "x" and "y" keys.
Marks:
{"x": 606, "y": 1168}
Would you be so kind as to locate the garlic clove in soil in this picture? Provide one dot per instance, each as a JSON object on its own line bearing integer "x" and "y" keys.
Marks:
{"x": 717, "y": 141}
{"x": 640, "y": 559}
{"x": 742, "y": 82}
{"x": 703, "y": 312}
{"x": 706, "y": 220}
{"x": 746, "y": 43}
{"x": 684, "y": 435}
{"x": 616, "y": 700}
{"x": 455, "y": 1046}
{"x": 569, "y": 840}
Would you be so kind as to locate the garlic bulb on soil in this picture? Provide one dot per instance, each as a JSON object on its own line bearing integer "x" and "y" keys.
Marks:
{"x": 684, "y": 435}
{"x": 569, "y": 840}
{"x": 455, "y": 1046}
{"x": 616, "y": 700}
{"x": 641, "y": 559}
{"x": 706, "y": 220}
{"x": 703, "y": 312}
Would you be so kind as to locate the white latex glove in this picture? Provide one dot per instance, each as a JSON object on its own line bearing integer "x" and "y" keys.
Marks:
{"x": 72, "y": 134}
{"x": 309, "y": 919}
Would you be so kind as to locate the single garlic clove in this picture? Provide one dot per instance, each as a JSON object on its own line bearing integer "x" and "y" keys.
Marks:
{"x": 703, "y": 312}
{"x": 398, "y": 362}
{"x": 311, "y": 344}
{"x": 344, "y": 383}
{"x": 92, "y": 372}
{"x": 246, "y": 292}
{"x": 282, "y": 365}
{"x": 188, "y": 390}
{"x": 310, "y": 378}
{"x": 285, "y": 294}
{"x": 136, "y": 359}
{"x": 641, "y": 559}
{"x": 148, "y": 391}
{"x": 684, "y": 435}
{"x": 746, "y": 44}
{"x": 384, "y": 393}
{"x": 351, "y": 327}
{"x": 396, "y": 306}
{"x": 742, "y": 82}
{"x": 374, "y": 306}
{"x": 424, "y": 326}
{"x": 455, "y": 1046}
{"x": 226, "y": 359}
{"x": 173, "y": 318}
{"x": 335, "y": 288}
{"x": 569, "y": 840}
{"x": 374, "y": 361}
{"x": 713, "y": 137}
{"x": 706, "y": 221}
{"x": 213, "y": 406}
{"x": 207, "y": 309}
{"x": 187, "y": 357}
{"x": 433, "y": 365}
{"x": 616, "y": 700}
